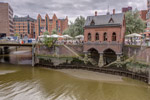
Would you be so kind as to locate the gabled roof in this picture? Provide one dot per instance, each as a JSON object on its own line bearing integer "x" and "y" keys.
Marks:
{"x": 104, "y": 20}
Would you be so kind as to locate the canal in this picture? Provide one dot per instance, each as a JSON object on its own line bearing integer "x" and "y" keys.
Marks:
{"x": 20, "y": 81}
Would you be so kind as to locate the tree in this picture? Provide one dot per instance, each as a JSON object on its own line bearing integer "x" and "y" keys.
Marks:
{"x": 16, "y": 34}
{"x": 54, "y": 31}
{"x": 76, "y": 28}
{"x": 134, "y": 24}
{"x": 48, "y": 41}
{"x": 79, "y": 24}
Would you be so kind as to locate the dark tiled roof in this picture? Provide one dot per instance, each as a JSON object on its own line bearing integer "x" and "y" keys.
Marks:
{"x": 104, "y": 20}
{"x": 27, "y": 18}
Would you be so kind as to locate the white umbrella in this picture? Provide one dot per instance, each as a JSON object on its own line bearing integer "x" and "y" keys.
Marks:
{"x": 134, "y": 35}
{"x": 79, "y": 36}
{"x": 56, "y": 36}
{"x": 42, "y": 36}
{"x": 67, "y": 36}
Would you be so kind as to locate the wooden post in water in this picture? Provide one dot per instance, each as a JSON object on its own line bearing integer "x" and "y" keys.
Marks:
{"x": 33, "y": 55}
{"x": 149, "y": 76}
{"x": 1, "y": 51}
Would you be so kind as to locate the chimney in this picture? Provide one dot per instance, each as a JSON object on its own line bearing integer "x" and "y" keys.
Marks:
{"x": 113, "y": 11}
{"x": 95, "y": 13}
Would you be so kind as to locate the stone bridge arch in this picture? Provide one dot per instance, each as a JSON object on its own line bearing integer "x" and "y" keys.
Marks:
{"x": 102, "y": 55}
{"x": 93, "y": 55}
{"x": 109, "y": 56}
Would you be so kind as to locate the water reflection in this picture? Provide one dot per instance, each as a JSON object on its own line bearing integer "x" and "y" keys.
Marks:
{"x": 28, "y": 83}
{"x": 17, "y": 57}
{"x": 6, "y": 58}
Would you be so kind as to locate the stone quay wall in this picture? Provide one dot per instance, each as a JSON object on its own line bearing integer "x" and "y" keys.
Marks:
{"x": 141, "y": 54}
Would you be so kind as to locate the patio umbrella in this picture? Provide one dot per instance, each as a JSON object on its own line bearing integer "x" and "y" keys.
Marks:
{"x": 67, "y": 36}
{"x": 79, "y": 37}
{"x": 42, "y": 36}
{"x": 134, "y": 35}
{"x": 56, "y": 36}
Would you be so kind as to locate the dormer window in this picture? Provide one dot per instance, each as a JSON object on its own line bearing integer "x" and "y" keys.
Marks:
{"x": 111, "y": 21}
{"x": 92, "y": 23}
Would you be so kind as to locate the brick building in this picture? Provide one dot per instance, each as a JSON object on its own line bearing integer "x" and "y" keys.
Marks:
{"x": 24, "y": 26}
{"x": 48, "y": 24}
{"x": 6, "y": 20}
{"x": 148, "y": 5}
{"x": 126, "y": 9}
{"x": 143, "y": 14}
{"x": 104, "y": 37}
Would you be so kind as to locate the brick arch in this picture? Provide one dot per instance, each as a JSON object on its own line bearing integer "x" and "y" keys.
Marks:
{"x": 109, "y": 56}
{"x": 100, "y": 47}
{"x": 92, "y": 48}
{"x": 110, "y": 49}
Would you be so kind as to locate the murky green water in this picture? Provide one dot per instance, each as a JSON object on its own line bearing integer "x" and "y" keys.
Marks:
{"x": 27, "y": 83}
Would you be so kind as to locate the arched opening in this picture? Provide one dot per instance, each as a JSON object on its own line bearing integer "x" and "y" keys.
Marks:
{"x": 109, "y": 56}
{"x": 93, "y": 55}
{"x": 97, "y": 37}
{"x": 105, "y": 36}
{"x": 89, "y": 37}
{"x": 114, "y": 36}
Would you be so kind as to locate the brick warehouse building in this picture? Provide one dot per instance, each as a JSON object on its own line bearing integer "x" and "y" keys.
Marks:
{"x": 6, "y": 20}
{"x": 24, "y": 26}
{"x": 48, "y": 24}
{"x": 126, "y": 9}
{"x": 104, "y": 37}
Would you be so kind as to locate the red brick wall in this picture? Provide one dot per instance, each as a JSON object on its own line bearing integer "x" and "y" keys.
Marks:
{"x": 143, "y": 14}
{"x": 6, "y": 16}
{"x": 102, "y": 45}
{"x": 63, "y": 24}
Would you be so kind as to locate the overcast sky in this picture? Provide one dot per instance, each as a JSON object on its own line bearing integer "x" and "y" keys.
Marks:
{"x": 70, "y": 8}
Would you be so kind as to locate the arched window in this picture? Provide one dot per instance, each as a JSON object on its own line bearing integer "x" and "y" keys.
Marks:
{"x": 97, "y": 37}
{"x": 105, "y": 36}
{"x": 114, "y": 36}
{"x": 89, "y": 36}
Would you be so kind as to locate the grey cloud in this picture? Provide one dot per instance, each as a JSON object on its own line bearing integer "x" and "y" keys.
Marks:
{"x": 70, "y": 8}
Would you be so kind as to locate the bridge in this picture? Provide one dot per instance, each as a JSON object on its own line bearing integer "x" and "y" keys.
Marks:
{"x": 4, "y": 48}
{"x": 8, "y": 43}
{"x": 15, "y": 44}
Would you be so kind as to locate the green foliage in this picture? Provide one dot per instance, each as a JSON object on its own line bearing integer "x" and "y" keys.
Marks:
{"x": 16, "y": 34}
{"x": 48, "y": 41}
{"x": 134, "y": 24}
{"x": 54, "y": 31}
{"x": 76, "y": 28}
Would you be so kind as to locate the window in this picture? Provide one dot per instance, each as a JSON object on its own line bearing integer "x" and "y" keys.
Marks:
{"x": 105, "y": 36}
{"x": 92, "y": 23}
{"x": 111, "y": 21}
{"x": 97, "y": 37}
{"x": 89, "y": 36}
{"x": 114, "y": 36}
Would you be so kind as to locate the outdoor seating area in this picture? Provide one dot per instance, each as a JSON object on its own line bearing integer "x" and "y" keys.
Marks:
{"x": 137, "y": 39}
{"x": 64, "y": 39}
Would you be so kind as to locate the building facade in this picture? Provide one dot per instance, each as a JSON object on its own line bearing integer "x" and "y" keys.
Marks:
{"x": 6, "y": 20}
{"x": 126, "y": 9}
{"x": 24, "y": 26}
{"x": 143, "y": 14}
{"x": 47, "y": 24}
{"x": 148, "y": 5}
{"x": 104, "y": 37}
